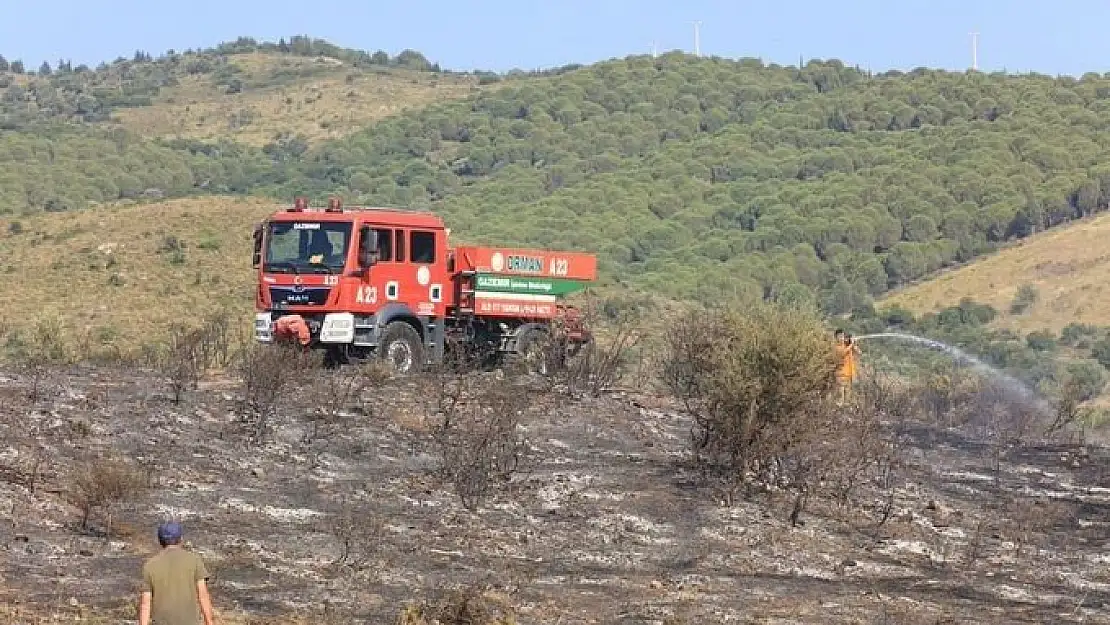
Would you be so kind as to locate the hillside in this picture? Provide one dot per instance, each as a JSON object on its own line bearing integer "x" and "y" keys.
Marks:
{"x": 1068, "y": 268}
{"x": 764, "y": 181}
{"x": 691, "y": 178}
{"x": 311, "y": 99}
{"x": 702, "y": 177}
{"x": 83, "y": 94}
{"x": 113, "y": 279}
{"x": 71, "y": 137}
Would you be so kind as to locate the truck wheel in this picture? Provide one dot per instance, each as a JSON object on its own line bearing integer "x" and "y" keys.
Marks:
{"x": 401, "y": 348}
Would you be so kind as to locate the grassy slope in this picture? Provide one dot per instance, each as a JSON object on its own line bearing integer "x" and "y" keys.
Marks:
{"x": 100, "y": 272}
{"x": 317, "y": 98}
{"x": 1068, "y": 266}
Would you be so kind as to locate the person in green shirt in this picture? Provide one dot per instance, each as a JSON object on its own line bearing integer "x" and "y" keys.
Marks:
{"x": 175, "y": 584}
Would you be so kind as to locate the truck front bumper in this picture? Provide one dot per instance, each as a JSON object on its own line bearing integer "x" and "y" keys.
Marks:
{"x": 330, "y": 328}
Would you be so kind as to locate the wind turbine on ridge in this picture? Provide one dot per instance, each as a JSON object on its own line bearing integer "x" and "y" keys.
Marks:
{"x": 975, "y": 50}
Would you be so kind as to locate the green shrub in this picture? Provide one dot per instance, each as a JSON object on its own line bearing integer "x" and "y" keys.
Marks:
{"x": 1074, "y": 333}
{"x": 897, "y": 316}
{"x": 758, "y": 382}
{"x": 1026, "y": 296}
{"x": 1088, "y": 377}
{"x": 1041, "y": 340}
{"x": 1100, "y": 351}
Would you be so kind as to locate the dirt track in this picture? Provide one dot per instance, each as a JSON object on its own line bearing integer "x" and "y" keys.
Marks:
{"x": 607, "y": 526}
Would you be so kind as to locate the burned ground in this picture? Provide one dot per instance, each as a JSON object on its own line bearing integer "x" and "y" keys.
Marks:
{"x": 605, "y": 521}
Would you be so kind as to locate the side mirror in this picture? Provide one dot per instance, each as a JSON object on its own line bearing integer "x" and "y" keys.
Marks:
{"x": 256, "y": 258}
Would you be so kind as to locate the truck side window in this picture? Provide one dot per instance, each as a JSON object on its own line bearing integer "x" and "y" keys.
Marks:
{"x": 423, "y": 247}
{"x": 385, "y": 244}
{"x": 400, "y": 246}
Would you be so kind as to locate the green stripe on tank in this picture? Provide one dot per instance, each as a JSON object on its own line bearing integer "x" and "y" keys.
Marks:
{"x": 526, "y": 285}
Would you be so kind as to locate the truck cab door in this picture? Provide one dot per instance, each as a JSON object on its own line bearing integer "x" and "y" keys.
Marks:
{"x": 368, "y": 259}
{"x": 428, "y": 259}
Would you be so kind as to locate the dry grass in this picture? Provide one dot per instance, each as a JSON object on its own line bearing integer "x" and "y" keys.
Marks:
{"x": 121, "y": 275}
{"x": 332, "y": 102}
{"x": 1068, "y": 267}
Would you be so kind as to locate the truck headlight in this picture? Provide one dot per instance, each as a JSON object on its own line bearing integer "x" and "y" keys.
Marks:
{"x": 263, "y": 327}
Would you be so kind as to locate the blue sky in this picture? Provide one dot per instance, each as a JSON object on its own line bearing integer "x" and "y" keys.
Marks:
{"x": 1063, "y": 37}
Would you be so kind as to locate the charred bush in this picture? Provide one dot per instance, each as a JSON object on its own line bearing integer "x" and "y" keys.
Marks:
{"x": 479, "y": 440}
{"x": 1069, "y": 410}
{"x": 40, "y": 357}
{"x": 590, "y": 368}
{"x": 1030, "y": 522}
{"x": 872, "y": 445}
{"x": 331, "y": 393}
{"x": 948, "y": 394}
{"x": 474, "y": 604}
{"x": 190, "y": 351}
{"x": 878, "y": 439}
{"x": 37, "y": 372}
{"x": 25, "y": 437}
{"x": 180, "y": 362}
{"x": 451, "y": 386}
{"x": 688, "y": 364}
{"x": 446, "y": 385}
{"x": 601, "y": 363}
{"x": 358, "y": 534}
{"x": 217, "y": 340}
{"x": 268, "y": 373}
{"x": 105, "y": 484}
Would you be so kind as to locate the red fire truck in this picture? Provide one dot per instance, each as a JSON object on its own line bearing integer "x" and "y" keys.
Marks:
{"x": 359, "y": 282}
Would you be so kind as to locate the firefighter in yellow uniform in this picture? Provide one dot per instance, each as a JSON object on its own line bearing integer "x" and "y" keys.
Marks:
{"x": 846, "y": 354}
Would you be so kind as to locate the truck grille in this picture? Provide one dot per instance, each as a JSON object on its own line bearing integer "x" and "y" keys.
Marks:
{"x": 282, "y": 296}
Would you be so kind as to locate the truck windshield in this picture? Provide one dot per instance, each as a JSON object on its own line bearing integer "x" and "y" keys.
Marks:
{"x": 307, "y": 246}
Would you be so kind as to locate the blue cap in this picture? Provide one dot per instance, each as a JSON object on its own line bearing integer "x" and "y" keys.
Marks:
{"x": 168, "y": 531}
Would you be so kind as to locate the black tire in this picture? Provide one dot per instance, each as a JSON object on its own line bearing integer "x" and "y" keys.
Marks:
{"x": 401, "y": 348}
